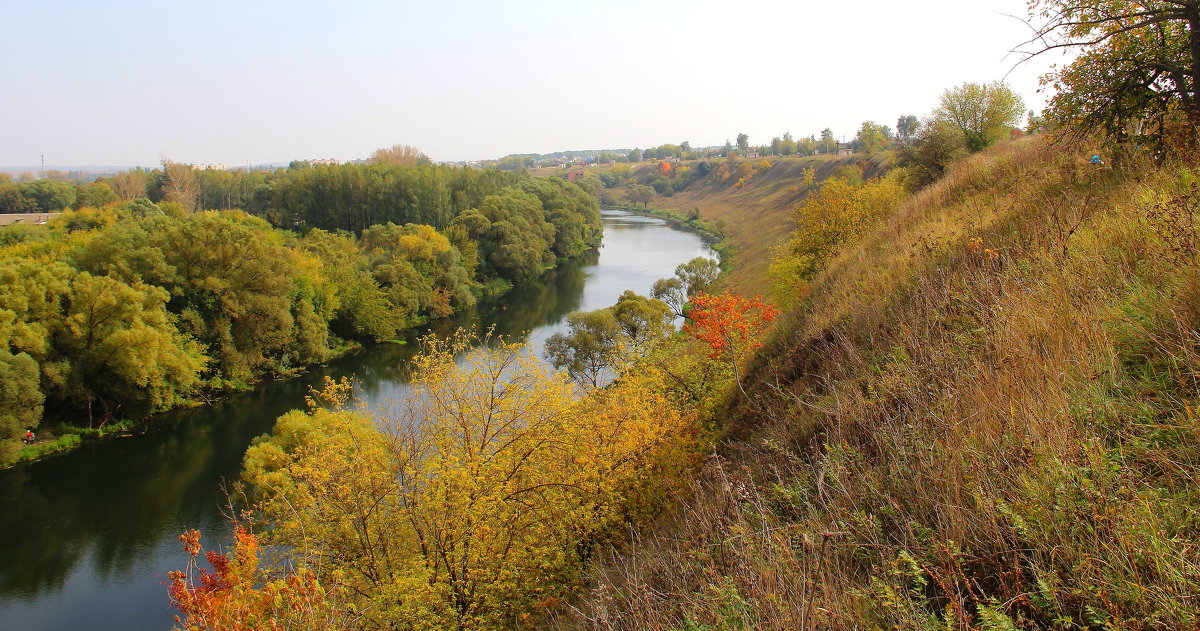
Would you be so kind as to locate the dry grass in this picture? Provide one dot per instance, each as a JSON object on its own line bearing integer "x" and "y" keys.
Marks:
{"x": 960, "y": 434}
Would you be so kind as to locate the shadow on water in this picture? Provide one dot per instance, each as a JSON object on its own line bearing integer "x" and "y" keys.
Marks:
{"x": 87, "y": 538}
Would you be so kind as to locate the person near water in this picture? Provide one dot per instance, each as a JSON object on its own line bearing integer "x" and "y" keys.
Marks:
{"x": 29, "y": 436}
{"x": 1096, "y": 160}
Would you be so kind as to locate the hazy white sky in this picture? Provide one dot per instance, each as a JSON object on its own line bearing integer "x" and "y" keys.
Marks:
{"x": 250, "y": 82}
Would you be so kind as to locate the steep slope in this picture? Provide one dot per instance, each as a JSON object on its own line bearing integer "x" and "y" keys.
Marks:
{"x": 984, "y": 415}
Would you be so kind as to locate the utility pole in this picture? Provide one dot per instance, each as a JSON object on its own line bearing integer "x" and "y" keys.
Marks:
{"x": 43, "y": 171}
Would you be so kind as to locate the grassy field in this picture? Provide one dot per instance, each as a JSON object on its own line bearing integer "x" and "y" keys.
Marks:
{"x": 983, "y": 416}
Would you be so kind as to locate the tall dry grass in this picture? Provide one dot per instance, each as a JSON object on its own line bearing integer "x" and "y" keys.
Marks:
{"x": 984, "y": 416}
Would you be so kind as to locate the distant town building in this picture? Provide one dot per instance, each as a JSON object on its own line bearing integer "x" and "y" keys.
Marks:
{"x": 324, "y": 161}
{"x": 210, "y": 167}
{"x": 752, "y": 154}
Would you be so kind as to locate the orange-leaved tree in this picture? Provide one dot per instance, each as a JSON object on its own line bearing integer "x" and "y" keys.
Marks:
{"x": 239, "y": 594}
{"x": 731, "y": 325}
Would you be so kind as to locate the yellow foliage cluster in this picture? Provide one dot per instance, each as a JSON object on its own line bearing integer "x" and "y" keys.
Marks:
{"x": 833, "y": 216}
{"x": 478, "y": 499}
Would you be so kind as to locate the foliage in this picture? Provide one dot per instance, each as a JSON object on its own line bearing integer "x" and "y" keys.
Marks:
{"x": 729, "y": 324}
{"x": 639, "y": 194}
{"x": 982, "y": 112}
{"x": 691, "y": 278}
{"x": 937, "y": 144}
{"x": 399, "y": 154}
{"x": 599, "y": 344}
{"x": 1137, "y": 65}
{"x": 138, "y": 307}
{"x": 49, "y": 195}
{"x": 872, "y": 137}
{"x": 832, "y": 217}
{"x": 238, "y": 593}
{"x": 20, "y": 401}
{"x": 487, "y": 490}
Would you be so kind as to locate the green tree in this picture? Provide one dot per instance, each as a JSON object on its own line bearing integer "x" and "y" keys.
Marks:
{"x": 12, "y": 201}
{"x": 906, "y": 127}
{"x": 827, "y": 144}
{"x": 598, "y": 344}
{"x": 592, "y": 348}
{"x": 871, "y": 137}
{"x": 983, "y": 112}
{"x": 20, "y": 398}
{"x": 49, "y": 195}
{"x": 96, "y": 195}
{"x": 640, "y": 194}
{"x": 743, "y": 143}
{"x": 125, "y": 354}
{"x": 936, "y": 145}
{"x": 691, "y": 278}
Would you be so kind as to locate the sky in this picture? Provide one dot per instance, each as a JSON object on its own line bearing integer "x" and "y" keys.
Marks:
{"x": 132, "y": 82}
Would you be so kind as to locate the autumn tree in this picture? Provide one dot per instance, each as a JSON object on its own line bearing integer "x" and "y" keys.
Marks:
{"x": 983, "y": 112}
{"x": 180, "y": 185}
{"x": 833, "y": 216}
{"x": 129, "y": 184}
{"x": 405, "y": 155}
{"x": 484, "y": 494}
{"x": 240, "y": 593}
{"x": 871, "y": 137}
{"x": 732, "y": 326}
{"x": 1138, "y": 63}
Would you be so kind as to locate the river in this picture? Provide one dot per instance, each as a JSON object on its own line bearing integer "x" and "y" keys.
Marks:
{"x": 87, "y": 538}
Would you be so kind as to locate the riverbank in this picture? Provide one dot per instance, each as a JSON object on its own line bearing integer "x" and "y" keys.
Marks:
{"x": 59, "y": 439}
{"x": 100, "y": 524}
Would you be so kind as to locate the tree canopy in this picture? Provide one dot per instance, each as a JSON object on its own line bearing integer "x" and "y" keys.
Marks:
{"x": 983, "y": 112}
{"x": 1139, "y": 62}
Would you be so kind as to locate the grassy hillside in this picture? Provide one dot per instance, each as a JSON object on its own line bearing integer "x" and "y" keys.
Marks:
{"x": 982, "y": 416}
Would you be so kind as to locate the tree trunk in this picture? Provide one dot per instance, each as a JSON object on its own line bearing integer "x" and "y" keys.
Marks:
{"x": 1191, "y": 98}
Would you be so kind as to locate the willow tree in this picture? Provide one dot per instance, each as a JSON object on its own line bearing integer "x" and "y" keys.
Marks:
{"x": 1138, "y": 65}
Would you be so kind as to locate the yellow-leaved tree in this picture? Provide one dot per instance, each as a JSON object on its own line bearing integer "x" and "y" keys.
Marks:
{"x": 476, "y": 501}
{"x": 833, "y": 216}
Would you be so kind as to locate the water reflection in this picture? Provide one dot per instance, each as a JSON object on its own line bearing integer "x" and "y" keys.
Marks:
{"x": 87, "y": 538}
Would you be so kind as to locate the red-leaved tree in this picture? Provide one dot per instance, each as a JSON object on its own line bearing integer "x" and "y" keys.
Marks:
{"x": 731, "y": 325}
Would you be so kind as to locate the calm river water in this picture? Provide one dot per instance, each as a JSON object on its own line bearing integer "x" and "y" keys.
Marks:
{"x": 86, "y": 539}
